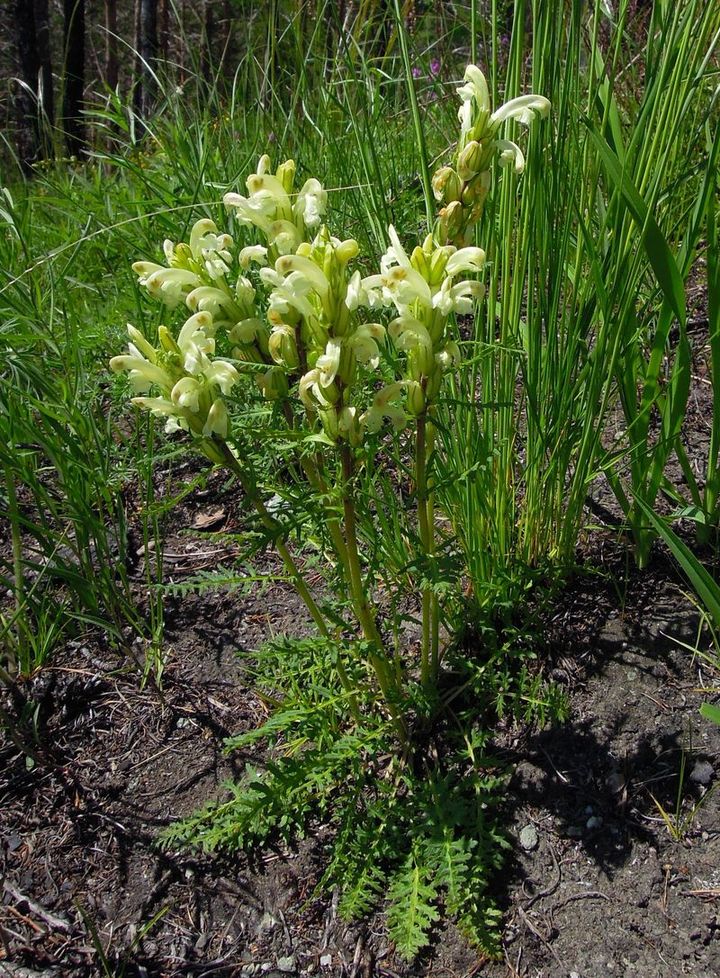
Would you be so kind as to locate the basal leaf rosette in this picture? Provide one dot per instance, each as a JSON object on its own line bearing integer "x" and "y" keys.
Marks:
{"x": 463, "y": 187}
{"x": 186, "y": 381}
{"x": 425, "y": 292}
{"x": 284, "y": 217}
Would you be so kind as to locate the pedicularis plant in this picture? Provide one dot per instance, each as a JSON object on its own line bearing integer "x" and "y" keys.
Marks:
{"x": 351, "y": 370}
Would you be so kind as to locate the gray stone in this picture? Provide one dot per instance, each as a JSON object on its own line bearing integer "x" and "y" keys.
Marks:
{"x": 529, "y": 838}
{"x": 286, "y": 965}
{"x": 594, "y": 822}
{"x": 702, "y": 773}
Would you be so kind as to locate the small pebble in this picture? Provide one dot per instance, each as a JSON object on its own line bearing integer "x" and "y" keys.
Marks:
{"x": 702, "y": 773}
{"x": 326, "y": 960}
{"x": 267, "y": 922}
{"x": 286, "y": 964}
{"x": 594, "y": 823}
{"x": 574, "y": 832}
{"x": 529, "y": 838}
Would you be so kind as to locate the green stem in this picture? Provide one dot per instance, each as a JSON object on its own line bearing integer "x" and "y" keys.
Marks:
{"x": 429, "y": 660}
{"x": 417, "y": 119}
{"x": 378, "y": 661}
{"x": 421, "y": 490}
{"x": 248, "y": 483}
{"x": 18, "y": 574}
{"x": 314, "y": 477}
{"x": 276, "y": 531}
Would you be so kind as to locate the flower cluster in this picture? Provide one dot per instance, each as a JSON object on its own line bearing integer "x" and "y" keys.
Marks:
{"x": 316, "y": 334}
{"x": 283, "y": 217}
{"x": 204, "y": 261}
{"x": 463, "y": 187}
{"x": 190, "y": 382}
{"x": 311, "y": 340}
{"x": 424, "y": 291}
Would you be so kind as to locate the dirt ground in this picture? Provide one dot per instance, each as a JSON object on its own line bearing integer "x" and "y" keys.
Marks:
{"x": 596, "y": 884}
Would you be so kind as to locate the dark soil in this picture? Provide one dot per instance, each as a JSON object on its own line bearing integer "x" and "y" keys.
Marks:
{"x": 596, "y": 884}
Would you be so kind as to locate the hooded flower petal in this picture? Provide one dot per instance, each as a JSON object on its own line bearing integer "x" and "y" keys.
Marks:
{"x": 217, "y": 422}
{"x": 311, "y": 203}
{"x": 328, "y": 363}
{"x": 465, "y": 260}
{"x": 141, "y": 373}
{"x": 186, "y": 394}
{"x": 223, "y": 374}
{"x": 522, "y": 108}
{"x": 510, "y": 154}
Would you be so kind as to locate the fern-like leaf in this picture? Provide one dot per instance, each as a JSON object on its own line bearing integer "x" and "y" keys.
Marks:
{"x": 450, "y": 858}
{"x": 412, "y": 910}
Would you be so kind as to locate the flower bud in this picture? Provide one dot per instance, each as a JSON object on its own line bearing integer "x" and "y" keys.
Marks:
{"x": 347, "y": 368}
{"x": 273, "y": 384}
{"x": 349, "y": 427}
{"x": 432, "y": 388}
{"x": 329, "y": 419}
{"x": 167, "y": 340}
{"x": 346, "y": 251}
{"x": 454, "y": 218}
{"x": 415, "y": 399}
{"x": 438, "y": 264}
{"x": 446, "y": 185}
{"x": 469, "y": 160}
{"x": 217, "y": 422}
{"x": 419, "y": 262}
{"x": 421, "y": 360}
{"x": 481, "y": 117}
{"x": 247, "y": 354}
{"x": 283, "y": 348}
{"x": 210, "y": 449}
{"x": 181, "y": 255}
{"x": 286, "y": 175}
